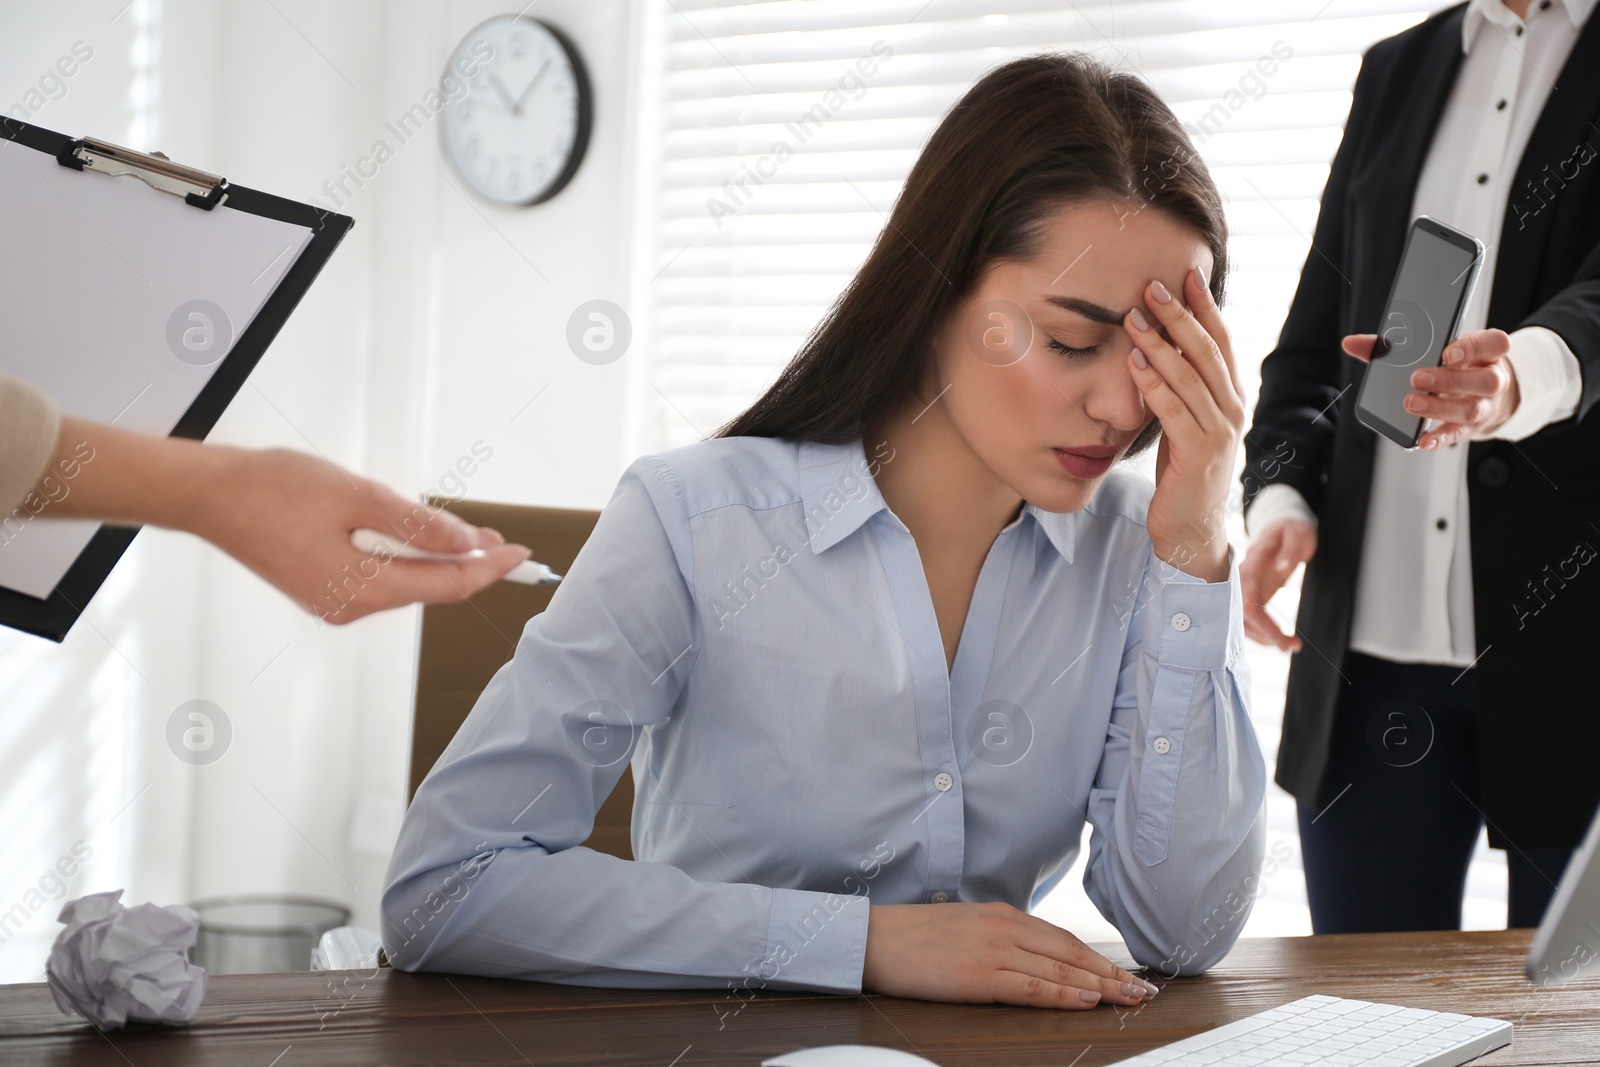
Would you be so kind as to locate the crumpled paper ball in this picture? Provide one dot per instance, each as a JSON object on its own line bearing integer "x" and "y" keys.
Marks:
{"x": 113, "y": 963}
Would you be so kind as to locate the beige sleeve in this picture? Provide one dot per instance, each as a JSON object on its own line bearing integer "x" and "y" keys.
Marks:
{"x": 29, "y": 424}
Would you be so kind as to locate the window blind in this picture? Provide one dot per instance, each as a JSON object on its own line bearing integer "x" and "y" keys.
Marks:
{"x": 778, "y": 158}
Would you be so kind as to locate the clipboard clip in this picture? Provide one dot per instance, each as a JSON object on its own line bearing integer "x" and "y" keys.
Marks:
{"x": 196, "y": 187}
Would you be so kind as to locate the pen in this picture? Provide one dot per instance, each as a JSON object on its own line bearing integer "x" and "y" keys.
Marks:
{"x": 528, "y": 572}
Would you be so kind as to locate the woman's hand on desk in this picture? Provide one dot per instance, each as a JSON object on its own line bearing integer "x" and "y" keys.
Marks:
{"x": 985, "y": 954}
{"x": 1272, "y": 557}
{"x": 1471, "y": 395}
{"x": 286, "y": 515}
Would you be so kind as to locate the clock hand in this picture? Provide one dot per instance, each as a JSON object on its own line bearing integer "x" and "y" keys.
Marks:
{"x": 505, "y": 94}
{"x": 516, "y": 107}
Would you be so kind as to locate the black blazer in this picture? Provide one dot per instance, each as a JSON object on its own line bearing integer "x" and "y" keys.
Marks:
{"x": 1534, "y": 504}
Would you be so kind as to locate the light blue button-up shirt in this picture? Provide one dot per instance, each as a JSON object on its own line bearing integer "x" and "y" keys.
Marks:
{"x": 750, "y": 630}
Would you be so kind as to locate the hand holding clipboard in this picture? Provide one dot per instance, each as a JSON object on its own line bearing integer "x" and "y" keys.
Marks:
{"x": 127, "y": 305}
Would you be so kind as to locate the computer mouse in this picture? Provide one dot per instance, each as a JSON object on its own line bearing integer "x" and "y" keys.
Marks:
{"x": 848, "y": 1056}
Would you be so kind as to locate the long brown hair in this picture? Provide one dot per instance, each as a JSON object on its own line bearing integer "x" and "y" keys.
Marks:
{"x": 1029, "y": 137}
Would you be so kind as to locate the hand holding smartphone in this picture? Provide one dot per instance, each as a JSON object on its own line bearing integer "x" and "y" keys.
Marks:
{"x": 1437, "y": 271}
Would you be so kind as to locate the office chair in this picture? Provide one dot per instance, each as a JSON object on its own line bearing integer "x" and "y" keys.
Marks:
{"x": 464, "y": 644}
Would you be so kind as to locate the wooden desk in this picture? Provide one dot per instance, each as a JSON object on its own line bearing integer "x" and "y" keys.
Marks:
{"x": 346, "y": 1017}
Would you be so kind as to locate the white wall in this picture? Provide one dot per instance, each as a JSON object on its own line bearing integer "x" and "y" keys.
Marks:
{"x": 428, "y": 331}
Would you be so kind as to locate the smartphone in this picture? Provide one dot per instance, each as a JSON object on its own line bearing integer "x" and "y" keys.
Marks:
{"x": 1431, "y": 289}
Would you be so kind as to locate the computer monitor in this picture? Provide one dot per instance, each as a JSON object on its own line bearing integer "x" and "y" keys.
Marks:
{"x": 1568, "y": 943}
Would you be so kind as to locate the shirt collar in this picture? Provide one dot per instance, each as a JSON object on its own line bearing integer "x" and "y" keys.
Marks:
{"x": 1481, "y": 11}
{"x": 839, "y": 495}
{"x": 1061, "y": 527}
{"x": 837, "y": 491}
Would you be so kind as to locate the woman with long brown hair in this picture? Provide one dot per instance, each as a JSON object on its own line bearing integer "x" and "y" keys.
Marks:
{"x": 879, "y": 649}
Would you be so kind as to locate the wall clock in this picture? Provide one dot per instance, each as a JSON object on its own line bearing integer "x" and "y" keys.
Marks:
{"x": 519, "y": 133}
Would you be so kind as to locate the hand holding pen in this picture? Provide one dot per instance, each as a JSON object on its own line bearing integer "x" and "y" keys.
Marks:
{"x": 287, "y": 516}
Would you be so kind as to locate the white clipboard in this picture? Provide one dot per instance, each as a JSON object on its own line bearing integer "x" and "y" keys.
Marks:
{"x": 134, "y": 291}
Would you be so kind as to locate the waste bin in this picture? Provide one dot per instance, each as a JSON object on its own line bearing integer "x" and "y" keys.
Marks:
{"x": 254, "y": 933}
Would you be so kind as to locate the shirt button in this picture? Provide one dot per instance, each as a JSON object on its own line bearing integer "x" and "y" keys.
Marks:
{"x": 939, "y": 896}
{"x": 1483, "y": 179}
{"x": 1441, "y": 523}
{"x": 1519, "y": 31}
{"x": 1180, "y": 622}
{"x": 1501, "y": 106}
{"x": 943, "y": 781}
{"x": 1161, "y": 745}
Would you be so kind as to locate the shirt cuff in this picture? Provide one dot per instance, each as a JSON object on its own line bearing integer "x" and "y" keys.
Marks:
{"x": 816, "y": 941}
{"x": 1274, "y": 503}
{"x": 1192, "y": 623}
{"x": 1549, "y": 383}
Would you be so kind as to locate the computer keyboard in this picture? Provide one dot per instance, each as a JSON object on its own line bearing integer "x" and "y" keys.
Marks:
{"x": 1339, "y": 1033}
